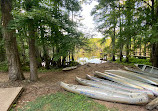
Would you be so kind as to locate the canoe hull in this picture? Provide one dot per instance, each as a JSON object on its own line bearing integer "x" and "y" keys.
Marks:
{"x": 103, "y": 94}
{"x": 149, "y": 87}
{"x": 115, "y": 85}
{"x": 147, "y": 68}
{"x": 108, "y": 87}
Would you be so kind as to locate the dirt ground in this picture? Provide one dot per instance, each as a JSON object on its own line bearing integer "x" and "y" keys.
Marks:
{"x": 49, "y": 83}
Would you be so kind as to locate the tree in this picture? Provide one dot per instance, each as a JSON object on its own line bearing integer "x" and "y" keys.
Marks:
{"x": 107, "y": 22}
{"x": 15, "y": 72}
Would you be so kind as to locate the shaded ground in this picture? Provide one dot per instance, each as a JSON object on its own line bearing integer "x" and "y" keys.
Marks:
{"x": 49, "y": 83}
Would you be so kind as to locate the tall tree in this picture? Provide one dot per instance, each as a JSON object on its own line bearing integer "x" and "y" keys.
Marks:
{"x": 15, "y": 72}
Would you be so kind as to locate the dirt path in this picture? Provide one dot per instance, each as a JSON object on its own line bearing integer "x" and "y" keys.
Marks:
{"x": 49, "y": 83}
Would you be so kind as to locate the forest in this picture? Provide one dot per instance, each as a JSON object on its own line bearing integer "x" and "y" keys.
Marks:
{"x": 33, "y": 31}
{"x": 131, "y": 25}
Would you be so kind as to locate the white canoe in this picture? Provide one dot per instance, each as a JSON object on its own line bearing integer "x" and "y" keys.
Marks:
{"x": 141, "y": 72}
{"x": 107, "y": 87}
{"x": 119, "y": 86}
{"x": 117, "y": 79}
{"x": 149, "y": 87}
{"x": 133, "y": 76}
{"x": 69, "y": 68}
{"x": 148, "y": 69}
{"x": 106, "y": 95}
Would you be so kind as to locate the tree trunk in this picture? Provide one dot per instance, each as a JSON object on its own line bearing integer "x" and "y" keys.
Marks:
{"x": 73, "y": 56}
{"x": 144, "y": 49}
{"x": 127, "y": 52}
{"x": 155, "y": 55}
{"x": 113, "y": 46}
{"x": 121, "y": 55}
{"x": 63, "y": 61}
{"x": 15, "y": 72}
{"x": 140, "y": 47}
{"x": 32, "y": 55}
{"x": 39, "y": 58}
{"x": 2, "y": 50}
{"x": 23, "y": 52}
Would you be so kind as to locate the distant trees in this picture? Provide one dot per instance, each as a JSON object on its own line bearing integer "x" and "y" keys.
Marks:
{"x": 44, "y": 32}
{"x": 135, "y": 22}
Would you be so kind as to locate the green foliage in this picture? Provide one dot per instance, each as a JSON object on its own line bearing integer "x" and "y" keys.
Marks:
{"x": 140, "y": 61}
{"x": 50, "y": 20}
{"x": 64, "y": 102}
{"x": 73, "y": 63}
{"x": 134, "y": 60}
{"x": 3, "y": 66}
{"x": 135, "y": 22}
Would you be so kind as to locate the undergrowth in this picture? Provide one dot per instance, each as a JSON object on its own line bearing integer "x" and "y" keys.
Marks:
{"x": 133, "y": 61}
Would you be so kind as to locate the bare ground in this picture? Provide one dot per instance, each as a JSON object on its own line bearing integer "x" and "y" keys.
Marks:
{"x": 49, "y": 83}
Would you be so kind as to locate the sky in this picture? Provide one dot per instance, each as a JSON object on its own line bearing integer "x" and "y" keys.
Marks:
{"x": 87, "y": 21}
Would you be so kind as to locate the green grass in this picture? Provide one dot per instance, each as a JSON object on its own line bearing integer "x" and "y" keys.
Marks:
{"x": 64, "y": 102}
{"x": 133, "y": 61}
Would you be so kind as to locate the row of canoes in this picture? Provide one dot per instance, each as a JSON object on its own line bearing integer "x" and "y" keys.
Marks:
{"x": 117, "y": 86}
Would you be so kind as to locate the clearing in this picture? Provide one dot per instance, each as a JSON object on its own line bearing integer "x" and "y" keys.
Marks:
{"x": 49, "y": 83}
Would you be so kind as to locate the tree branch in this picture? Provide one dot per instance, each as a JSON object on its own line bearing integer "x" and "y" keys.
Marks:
{"x": 147, "y": 3}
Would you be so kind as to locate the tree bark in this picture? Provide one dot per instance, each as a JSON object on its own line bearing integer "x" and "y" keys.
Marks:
{"x": 113, "y": 46}
{"x": 2, "y": 50}
{"x": 155, "y": 55}
{"x": 127, "y": 52}
{"x": 15, "y": 72}
{"x": 32, "y": 55}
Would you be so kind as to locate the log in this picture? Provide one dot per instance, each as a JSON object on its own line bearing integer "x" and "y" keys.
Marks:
{"x": 153, "y": 104}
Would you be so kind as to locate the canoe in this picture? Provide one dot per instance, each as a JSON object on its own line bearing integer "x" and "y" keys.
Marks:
{"x": 149, "y": 87}
{"x": 141, "y": 72}
{"x": 107, "y": 87}
{"x": 69, "y": 68}
{"x": 106, "y": 95}
{"x": 147, "y": 68}
{"x": 120, "y": 86}
{"x": 116, "y": 79}
{"x": 133, "y": 76}
{"x": 107, "y": 82}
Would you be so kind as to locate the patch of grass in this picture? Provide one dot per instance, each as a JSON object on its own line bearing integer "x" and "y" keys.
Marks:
{"x": 133, "y": 61}
{"x": 64, "y": 102}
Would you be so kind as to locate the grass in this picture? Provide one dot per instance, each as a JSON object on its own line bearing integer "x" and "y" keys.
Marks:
{"x": 64, "y": 102}
{"x": 133, "y": 61}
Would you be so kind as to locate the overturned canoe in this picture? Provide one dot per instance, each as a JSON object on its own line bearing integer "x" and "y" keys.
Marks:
{"x": 116, "y": 79}
{"x": 141, "y": 72}
{"x": 69, "y": 68}
{"x": 154, "y": 89}
{"x": 148, "y": 69}
{"x": 119, "y": 86}
{"x": 104, "y": 94}
{"x": 133, "y": 76}
{"x": 107, "y": 87}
